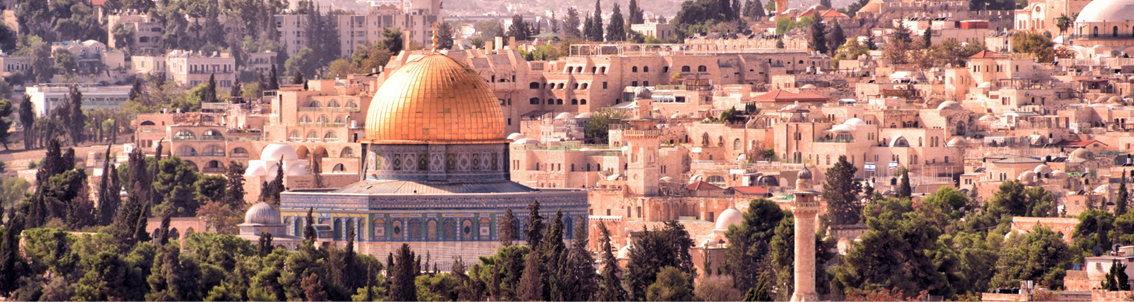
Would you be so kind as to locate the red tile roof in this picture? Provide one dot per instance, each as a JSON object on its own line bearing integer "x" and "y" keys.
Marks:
{"x": 701, "y": 185}
{"x": 777, "y": 95}
{"x": 986, "y": 54}
{"x": 752, "y": 190}
{"x": 834, "y": 13}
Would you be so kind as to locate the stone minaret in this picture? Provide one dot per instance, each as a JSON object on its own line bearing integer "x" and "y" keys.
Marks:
{"x": 805, "y": 208}
{"x": 781, "y": 6}
{"x": 642, "y": 137}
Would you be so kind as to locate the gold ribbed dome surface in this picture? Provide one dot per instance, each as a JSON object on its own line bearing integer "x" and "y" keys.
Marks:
{"x": 434, "y": 99}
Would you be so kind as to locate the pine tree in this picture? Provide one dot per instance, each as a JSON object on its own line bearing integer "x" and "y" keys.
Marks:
{"x": 508, "y": 229}
{"x": 818, "y": 41}
{"x": 403, "y": 288}
{"x": 12, "y": 266}
{"x": 534, "y": 235}
{"x": 234, "y": 190}
{"x": 1122, "y": 199}
{"x": 572, "y": 23}
{"x": 616, "y": 31}
{"x": 927, "y": 38}
{"x": 313, "y": 288}
{"x": 297, "y": 78}
{"x": 870, "y": 40}
{"x": 841, "y": 192}
{"x": 610, "y": 288}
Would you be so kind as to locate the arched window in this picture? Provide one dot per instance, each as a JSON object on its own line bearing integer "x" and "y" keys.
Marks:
{"x": 634, "y": 69}
{"x": 339, "y": 168}
{"x": 311, "y": 136}
{"x": 333, "y": 104}
{"x": 184, "y": 135}
{"x": 1115, "y": 34}
{"x": 212, "y": 135}
{"x": 340, "y": 120}
{"x": 645, "y": 68}
{"x": 144, "y": 40}
{"x": 684, "y": 68}
{"x": 574, "y": 101}
{"x": 533, "y": 101}
{"x": 351, "y": 104}
{"x": 315, "y": 104}
{"x": 330, "y": 136}
{"x": 148, "y": 123}
{"x": 559, "y": 101}
{"x": 347, "y": 153}
{"x": 322, "y": 121}
{"x": 304, "y": 120}
{"x": 186, "y": 150}
{"x": 213, "y": 150}
{"x": 239, "y": 152}
{"x": 533, "y": 85}
{"x": 737, "y": 145}
{"x": 702, "y": 68}
{"x": 1095, "y": 31}
{"x": 583, "y": 102}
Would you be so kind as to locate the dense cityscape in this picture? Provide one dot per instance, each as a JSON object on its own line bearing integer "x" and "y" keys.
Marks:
{"x": 617, "y": 150}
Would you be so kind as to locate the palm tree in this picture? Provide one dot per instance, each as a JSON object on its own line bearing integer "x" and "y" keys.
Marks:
{"x": 1063, "y": 22}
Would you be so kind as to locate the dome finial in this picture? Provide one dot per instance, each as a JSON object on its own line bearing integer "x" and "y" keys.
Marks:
{"x": 434, "y": 36}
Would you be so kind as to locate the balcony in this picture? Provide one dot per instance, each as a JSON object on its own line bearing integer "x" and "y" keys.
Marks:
{"x": 330, "y": 109}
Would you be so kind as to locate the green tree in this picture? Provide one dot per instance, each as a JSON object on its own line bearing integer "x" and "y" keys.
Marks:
{"x": 635, "y": 12}
{"x": 667, "y": 246}
{"x": 445, "y": 36}
{"x": 1040, "y": 255}
{"x": 27, "y": 119}
{"x": 403, "y": 287}
{"x": 835, "y": 38}
{"x": 572, "y": 23}
{"x": 578, "y": 281}
{"x": 596, "y": 23}
{"x": 304, "y": 62}
{"x": 616, "y": 30}
{"x": 904, "y": 189}
{"x": 508, "y": 228}
{"x": 530, "y": 287}
{"x": 124, "y": 36}
{"x": 672, "y": 285}
{"x": 841, "y": 192}
{"x": 519, "y": 29}
{"x": 1035, "y": 44}
{"x": 534, "y": 232}
{"x": 1121, "y": 199}
{"x": 610, "y": 284}
{"x": 893, "y": 252}
{"x": 818, "y": 31}
{"x": 749, "y": 241}
{"x": 5, "y": 121}
{"x": 598, "y": 127}
{"x": 42, "y": 66}
{"x": 174, "y": 185}
{"x": 1063, "y": 23}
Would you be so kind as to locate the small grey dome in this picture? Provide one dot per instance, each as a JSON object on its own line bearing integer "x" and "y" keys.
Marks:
{"x": 642, "y": 93}
{"x": 804, "y": 174}
{"x": 262, "y": 213}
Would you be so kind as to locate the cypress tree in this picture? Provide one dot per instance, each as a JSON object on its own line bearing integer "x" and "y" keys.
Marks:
{"x": 273, "y": 79}
{"x": 616, "y": 31}
{"x": 236, "y": 88}
{"x": 234, "y": 192}
{"x": 552, "y": 251}
{"x": 27, "y": 119}
{"x": 1123, "y": 198}
{"x": 534, "y": 234}
{"x": 309, "y": 233}
{"x": 635, "y": 12}
{"x": 403, "y": 288}
{"x": 508, "y": 229}
{"x": 904, "y": 189}
{"x": 835, "y": 38}
{"x": 11, "y": 263}
{"x": 297, "y": 78}
{"x": 610, "y": 288}
{"x": 841, "y": 192}
{"x": 265, "y": 246}
{"x": 597, "y": 22}
{"x": 531, "y": 288}
{"x": 210, "y": 90}
{"x": 927, "y": 38}
{"x": 818, "y": 41}
{"x": 107, "y": 193}
{"x": 578, "y": 280}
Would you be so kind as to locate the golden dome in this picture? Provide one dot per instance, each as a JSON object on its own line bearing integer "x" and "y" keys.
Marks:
{"x": 434, "y": 99}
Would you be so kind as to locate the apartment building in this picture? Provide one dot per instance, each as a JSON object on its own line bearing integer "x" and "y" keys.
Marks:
{"x": 188, "y": 68}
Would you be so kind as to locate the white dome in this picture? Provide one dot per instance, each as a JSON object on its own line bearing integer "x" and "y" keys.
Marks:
{"x": 1042, "y": 169}
{"x": 563, "y": 116}
{"x": 988, "y": 118}
{"x": 584, "y": 115}
{"x": 666, "y": 179}
{"x": 956, "y": 142}
{"x": 856, "y": 122}
{"x": 262, "y": 213}
{"x": 950, "y": 105}
{"x": 808, "y": 86}
{"x": 729, "y": 217}
{"x": 624, "y": 252}
{"x": 1102, "y": 189}
{"x": 298, "y": 170}
{"x": 516, "y": 136}
{"x": 842, "y": 128}
{"x": 274, "y": 151}
{"x": 1081, "y": 153}
{"x": 1058, "y": 174}
{"x": 256, "y": 170}
{"x": 1106, "y": 11}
